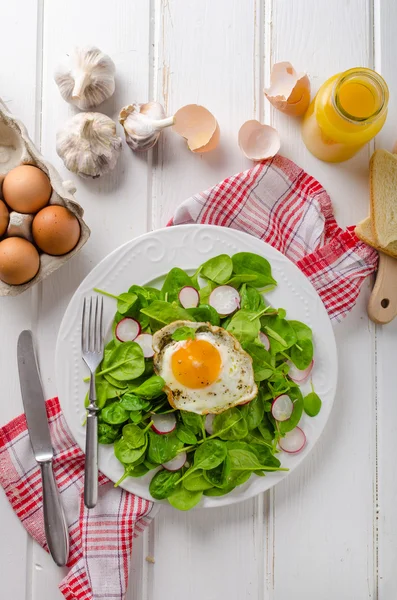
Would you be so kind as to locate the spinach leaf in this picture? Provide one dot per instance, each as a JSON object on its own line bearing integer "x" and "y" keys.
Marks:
{"x": 193, "y": 421}
{"x": 218, "y": 269}
{"x": 163, "y": 313}
{"x": 253, "y": 412}
{"x": 132, "y": 403}
{"x": 136, "y": 416}
{"x": 237, "y": 280}
{"x": 114, "y": 413}
{"x": 145, "y": 294}
{"x": 118, "y": 386}
{"x": 230, "y": 425}
{"x": 243, "y": 328}
{"x": 251, "y": 299}
{"x": 234, "y": 479}
{"x": 107, "y": 434}
{"x": 297, "y": 398}
{"x": 185, "y": 434}
{"x": 183, "y": 499}
{"x": 162, "y": 448}
{"x": 261, "y": 361}
{"x": 244, "y": 460}
{"x": 205, "y": 313}
{"x": 134, "y": 435}
{"x": 125, "y": 302}
{"x": 209, "y": 455}
{"x": 151, "y": 388}
{"x": 312, "y": 404}
{"x": 174, "y": 282}
{"x": 253, "y": 264}
{"x": 280, "y": 330}
{"x": 125, "y": 362}
{"x": 196, "y": 481}
{"x": 264, "y": 455}
{"x": 266, "y": 429}
{"x": 205, "y": 292}
{"x": 126, "y": 453}
{"x": 302, "y": 353}
{"x": 183, "y": 333}
{"x": 163, "y": 484}
{"x": 218, "y": 476}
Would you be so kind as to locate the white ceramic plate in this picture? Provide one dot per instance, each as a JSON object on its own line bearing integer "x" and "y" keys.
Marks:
{"x": 146, "y": 260}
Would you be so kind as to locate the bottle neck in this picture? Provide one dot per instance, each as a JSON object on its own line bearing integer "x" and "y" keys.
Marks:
{"x": 360, "y": 96}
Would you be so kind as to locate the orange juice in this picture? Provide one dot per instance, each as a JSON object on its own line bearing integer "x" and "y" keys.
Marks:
{"x": 349, "y": 110}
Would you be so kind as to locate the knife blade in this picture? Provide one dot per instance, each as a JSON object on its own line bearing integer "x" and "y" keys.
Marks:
{"x": 39, "y": 432}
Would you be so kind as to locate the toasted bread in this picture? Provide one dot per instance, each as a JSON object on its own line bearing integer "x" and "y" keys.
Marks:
{"x": 364, "y": 231}
{"x": 383, "y": 194}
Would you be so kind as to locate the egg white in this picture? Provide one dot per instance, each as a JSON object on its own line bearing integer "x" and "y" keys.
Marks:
{"x": 235, "y": 384}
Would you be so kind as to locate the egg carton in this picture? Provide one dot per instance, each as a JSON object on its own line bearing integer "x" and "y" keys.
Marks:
{"x": 16, "y": 148}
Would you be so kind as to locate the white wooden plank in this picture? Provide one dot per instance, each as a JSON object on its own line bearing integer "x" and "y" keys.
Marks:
{"x": 325, "y": 509}
{"x": 18, "y": 79}
{"x": 115, "y": 206}
{"x": 211, "y": 54}
{"x": 386, "y": 486}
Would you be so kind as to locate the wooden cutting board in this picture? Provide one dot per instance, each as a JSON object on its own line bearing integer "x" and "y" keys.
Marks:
{"x": 382, "y": 305}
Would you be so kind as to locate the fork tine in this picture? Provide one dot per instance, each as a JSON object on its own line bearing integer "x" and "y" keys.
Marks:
{"x": 83, "y": 327}
{"x": 90, "y": 336}
{"x": 100, "y": 326}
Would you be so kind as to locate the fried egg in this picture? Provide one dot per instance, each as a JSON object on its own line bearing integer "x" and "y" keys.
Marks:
{"x": 207, "y": 374}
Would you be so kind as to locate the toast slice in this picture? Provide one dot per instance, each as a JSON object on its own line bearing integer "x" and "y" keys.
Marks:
{"x": 383, "y": 194}
{"x": 364, "y": 231}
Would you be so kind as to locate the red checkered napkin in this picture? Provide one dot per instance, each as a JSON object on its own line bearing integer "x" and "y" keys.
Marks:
{"x": 275, "y": 201}
{"x": 282, "y": 205}
{"x": 101, "y": 538}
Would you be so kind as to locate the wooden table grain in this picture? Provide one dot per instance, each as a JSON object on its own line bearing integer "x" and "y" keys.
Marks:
{"x": 330, "y": 529}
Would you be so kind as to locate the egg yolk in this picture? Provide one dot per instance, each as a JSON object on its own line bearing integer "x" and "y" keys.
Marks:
{"x": 196, "y": 364}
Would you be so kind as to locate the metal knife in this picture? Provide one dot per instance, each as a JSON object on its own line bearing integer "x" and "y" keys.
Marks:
{"x": 55, "y": 526}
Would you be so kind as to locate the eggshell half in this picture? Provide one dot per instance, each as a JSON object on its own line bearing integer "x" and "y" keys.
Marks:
{"x": 289, "y": 91}
{"x": 198, "y": 126}
{"x": 258, "y": 141}
{"x": 19, "y": 261}
{"x": 26, "y": 189}
{"x": 56, "y": 230}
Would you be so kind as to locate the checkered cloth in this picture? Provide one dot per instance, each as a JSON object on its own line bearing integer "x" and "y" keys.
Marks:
{"x": 101, "y": 538}
{"x": 282, "y": 205}
{"x": 275, "y": 201}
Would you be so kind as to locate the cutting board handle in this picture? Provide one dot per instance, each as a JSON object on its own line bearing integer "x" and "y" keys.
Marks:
{"x": 382, "y": 305}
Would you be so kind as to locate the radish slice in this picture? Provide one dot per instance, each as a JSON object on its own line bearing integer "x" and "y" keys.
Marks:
{"x": 296, "y": 374}
{"x": 145, "y": 342}
{"x": 293, "y": 441}
{"x": 264, "y": 339}
{"x": 225, "y": 299}
{"x": 164, "y": 423}
{"x": 282, "y": 408}
{"x": 189, "y": 297}
{"x": 176, "y": 463}
{"x": 209, "y": 419}
{"x": 127, "y": 330}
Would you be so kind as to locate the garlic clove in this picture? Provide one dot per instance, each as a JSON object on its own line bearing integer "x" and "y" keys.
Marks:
{"x": 288, "y": 91}
{"x": 258, "y": 141}
{"x": 88, "y": 144}
{"x": 143, "y": 124}
{"x": 86, "y": 78}
{"x": 20, "y": 225}
{"x": 198, "y": 126}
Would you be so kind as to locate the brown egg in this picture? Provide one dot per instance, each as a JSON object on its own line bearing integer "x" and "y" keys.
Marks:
{"x": 56, "y": 230}
{"x": 4, "y": 218}
{"x": 26, "y": 189}
{"x": 19, "y": 261}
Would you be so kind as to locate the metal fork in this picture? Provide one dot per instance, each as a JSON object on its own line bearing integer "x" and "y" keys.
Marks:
{"x": 92, "y": 340}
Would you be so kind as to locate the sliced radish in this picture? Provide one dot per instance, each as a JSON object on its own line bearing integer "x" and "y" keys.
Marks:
{"x": 293, "y": 441}
{"x": 296, "y": 374}
{"x": 189, "y": 297}
{"x": 127, "y": 330}
{"x": 176, "y": 463}
{"x": 225, "y": 299}
{"x": 145, "y": 342}
{"x": 209, "y": 419}
{"x": 164, "y": 423}
{"x": 265, "y": 340}
{"x": 282, "y": 408}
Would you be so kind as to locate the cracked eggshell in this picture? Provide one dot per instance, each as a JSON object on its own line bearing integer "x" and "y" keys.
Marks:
{"x": 198, "y": 126}
{"x": 17, "y": 148}
{"x": 289, "y": 91}
{"x": 20, "y": 225}
{"x": 257, "y": 141}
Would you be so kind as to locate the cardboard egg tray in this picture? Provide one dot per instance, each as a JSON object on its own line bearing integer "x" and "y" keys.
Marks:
{"x": 16, "y": 148}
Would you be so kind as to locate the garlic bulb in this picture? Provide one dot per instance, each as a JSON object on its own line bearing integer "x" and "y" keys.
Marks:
{"x": 143, "y": 124}
{"x": 88, "y": 144}
{"x": 87, "y": 77}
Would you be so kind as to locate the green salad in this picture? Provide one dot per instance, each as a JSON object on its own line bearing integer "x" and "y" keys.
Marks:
{"x": 189, "y": 452}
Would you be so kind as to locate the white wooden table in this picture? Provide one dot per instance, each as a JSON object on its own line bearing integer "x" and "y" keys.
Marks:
{"x": 330, "y": 529}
